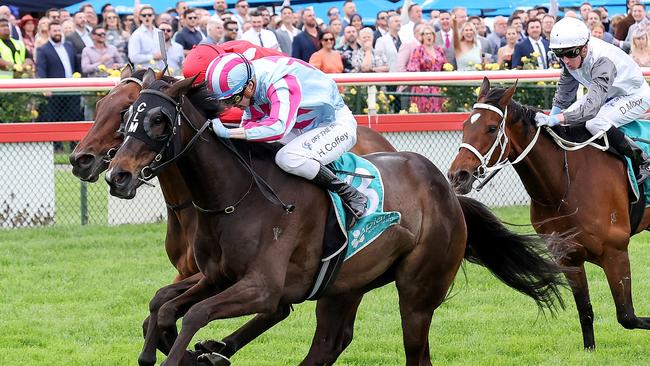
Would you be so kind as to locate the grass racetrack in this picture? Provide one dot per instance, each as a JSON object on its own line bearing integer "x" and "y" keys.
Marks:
{"x": 78, "y": 295}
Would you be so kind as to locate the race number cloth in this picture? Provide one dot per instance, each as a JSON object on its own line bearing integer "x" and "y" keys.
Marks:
{"x": 375, "y": 220}
{"x": 639, "y": 131}
{"x": 341, "y": 244}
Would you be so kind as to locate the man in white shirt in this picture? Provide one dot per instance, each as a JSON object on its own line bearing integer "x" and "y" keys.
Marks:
{"x": 287, "y": 31}
{"x": 415, "y": 17}
{"x": 241, "y": 15}
{"x": 389, "y": 43}
{"x": 259, "y": 36}
{"x": 144, "y": 50}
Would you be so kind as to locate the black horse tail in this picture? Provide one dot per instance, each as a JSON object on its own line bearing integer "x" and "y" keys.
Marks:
{"x": 520, "y": 261}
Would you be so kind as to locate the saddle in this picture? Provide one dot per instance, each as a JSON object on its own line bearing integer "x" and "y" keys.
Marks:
{"x": 579, "y": 133}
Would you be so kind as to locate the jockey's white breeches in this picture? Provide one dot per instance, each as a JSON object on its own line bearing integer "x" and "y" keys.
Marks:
{"x": 618, "y": 111}
{"x": 304, "y": 152}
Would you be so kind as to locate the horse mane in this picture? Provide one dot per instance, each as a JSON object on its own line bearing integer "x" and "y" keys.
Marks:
{"x": 203, "y": 100}
{"x": 518, "y": 111}
{"x": 139, "y": 74}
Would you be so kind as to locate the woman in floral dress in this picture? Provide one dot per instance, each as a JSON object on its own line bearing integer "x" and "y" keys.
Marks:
{"x": 427, "y": 57}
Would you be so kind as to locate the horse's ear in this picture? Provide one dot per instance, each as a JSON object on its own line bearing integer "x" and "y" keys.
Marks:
{"x": 507, "y": 96}
{"x": 127, "y": 71}
{"x": 148, "y": 79}
{"x": 181, "y": 87}
{"x": 485, "y": 88}
{"x": 161, "y": 73}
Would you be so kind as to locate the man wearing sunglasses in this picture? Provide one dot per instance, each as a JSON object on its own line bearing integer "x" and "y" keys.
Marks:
{"x": 190, "y": 35}
{"x": 100, "y": 53}
{"x": 617, "y": 91}
{"x": 289, "y": 101}
{"x": 144, "y": 48}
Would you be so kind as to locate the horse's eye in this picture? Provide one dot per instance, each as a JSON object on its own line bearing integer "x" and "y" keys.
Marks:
{"x": 492, "y": 129}
{"x": 157, "y": 120}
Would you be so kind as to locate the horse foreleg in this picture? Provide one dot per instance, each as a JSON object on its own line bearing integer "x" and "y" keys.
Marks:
{"x": 243, "y": 298}
{"x": 251, "y": 330}
{"x": 150, "y": 327}
{"x": 616, "y": 264}
{"x": 578, "y": 281}
{"x": 334, "y": 328}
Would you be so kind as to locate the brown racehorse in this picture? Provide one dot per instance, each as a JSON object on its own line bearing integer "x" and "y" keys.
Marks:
{"x": 260, "y": 259}
{"x": 566, "y": 190}
{"x": 92, "y": 155}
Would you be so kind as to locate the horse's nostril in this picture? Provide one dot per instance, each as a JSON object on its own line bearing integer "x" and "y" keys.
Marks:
{"x": 82, "y": 161}
{"x": 121, "y": 179}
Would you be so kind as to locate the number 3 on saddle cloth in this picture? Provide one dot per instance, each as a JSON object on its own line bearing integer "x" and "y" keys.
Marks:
{"x": 341, "y": 244}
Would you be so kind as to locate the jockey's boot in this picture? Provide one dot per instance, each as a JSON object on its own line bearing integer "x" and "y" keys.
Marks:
{"x": 353, "y": 200}
{"x": 629, "y": 148}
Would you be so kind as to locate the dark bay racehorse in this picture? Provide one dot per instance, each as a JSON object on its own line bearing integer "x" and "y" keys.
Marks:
{"x": 584, "y": 190}
{"x": 93, "y": 153}
{"x": 261, "y": 259}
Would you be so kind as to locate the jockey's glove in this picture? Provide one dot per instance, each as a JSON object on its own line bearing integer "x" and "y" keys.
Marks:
{"x": 219, "y": 129}
{"x": 543, "y": 120}
{"x": 555, "y": 110}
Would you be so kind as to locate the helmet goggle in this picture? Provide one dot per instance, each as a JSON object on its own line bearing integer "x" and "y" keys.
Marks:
{"x": 235, "y": 99}
{"x": 571, "y": 52}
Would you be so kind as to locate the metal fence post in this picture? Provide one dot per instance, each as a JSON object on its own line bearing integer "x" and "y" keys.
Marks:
{"x": 83, "y": 197}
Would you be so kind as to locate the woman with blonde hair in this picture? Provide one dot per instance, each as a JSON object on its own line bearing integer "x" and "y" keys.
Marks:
{"x": 428, "y": 56}
{"x": 640, "y": 47}
{"x": 467, "y": 46}
{"x": 116, "y": 36}
{"x": 504, "y": 55}
{"x": 42, "y": 35}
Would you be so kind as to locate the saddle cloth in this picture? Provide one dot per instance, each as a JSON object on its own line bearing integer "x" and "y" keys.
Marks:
{"x": 341, "y": 244}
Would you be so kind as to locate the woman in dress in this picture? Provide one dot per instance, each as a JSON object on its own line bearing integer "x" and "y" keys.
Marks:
{"x": 28, "y": 29}
{"x": 467, "y": 47}
{"x": 504, "y": 55}
{"x": 327, "y": 59}
{"x": 640, "y": 50}
{"x": 427, "y": 57}
{"x": 116, "y": 36}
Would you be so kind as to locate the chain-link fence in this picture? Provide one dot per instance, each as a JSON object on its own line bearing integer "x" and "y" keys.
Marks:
{"x": 37, "y": 186}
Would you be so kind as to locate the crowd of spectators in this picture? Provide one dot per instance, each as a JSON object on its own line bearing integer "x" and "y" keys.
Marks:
{"x": 98, "y": 42}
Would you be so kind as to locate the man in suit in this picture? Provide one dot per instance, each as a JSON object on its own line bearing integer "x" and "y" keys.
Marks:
{"x": 531, "y": 44}
{"x": 445, "y": 37}
{"x": 56, "y": 59}
{"x": 306, "y": 42}
{"x": 80, "y": 38}
{"x": 287, "y": 32}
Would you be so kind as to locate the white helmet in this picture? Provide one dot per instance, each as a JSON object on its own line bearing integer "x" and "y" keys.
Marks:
{"x": 228, "y": 74}
{"x": 567, "y": 33}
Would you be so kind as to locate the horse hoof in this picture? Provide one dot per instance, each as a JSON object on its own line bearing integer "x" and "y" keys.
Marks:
{"x": 210, "y": 346}
{"x": 213, "y": 359}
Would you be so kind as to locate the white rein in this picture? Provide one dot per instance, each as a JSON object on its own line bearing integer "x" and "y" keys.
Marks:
{"x": 500, "y": 141}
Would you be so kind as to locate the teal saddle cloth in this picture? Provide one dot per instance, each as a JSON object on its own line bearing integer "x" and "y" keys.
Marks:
{"x": 342, "y": 243}
{"x": 639, "y": 131}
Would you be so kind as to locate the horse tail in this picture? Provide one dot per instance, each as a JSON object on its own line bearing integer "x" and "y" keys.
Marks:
{"x": 520, "y": 261}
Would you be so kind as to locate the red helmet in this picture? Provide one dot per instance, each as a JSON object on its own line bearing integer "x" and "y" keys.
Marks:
{"x": 200, "y": 56}
{"x": 198, "y": 60}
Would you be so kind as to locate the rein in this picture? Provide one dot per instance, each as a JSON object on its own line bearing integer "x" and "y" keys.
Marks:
{"x": 500, "y": 141}
{"x": 173, "y": 141}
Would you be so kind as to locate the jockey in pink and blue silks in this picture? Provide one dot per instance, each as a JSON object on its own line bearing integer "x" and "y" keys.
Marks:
{"x": 289, "y": 101}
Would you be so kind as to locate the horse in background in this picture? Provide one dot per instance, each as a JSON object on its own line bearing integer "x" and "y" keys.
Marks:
{"x": 585, "y": 191}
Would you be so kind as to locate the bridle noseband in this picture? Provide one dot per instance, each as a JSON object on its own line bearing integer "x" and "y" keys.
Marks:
{"x": 500, "y": 141}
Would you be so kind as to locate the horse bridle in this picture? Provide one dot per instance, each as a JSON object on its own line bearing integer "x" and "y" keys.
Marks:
{"x": 121, "y": 129}
{"x": 501, "y": 141}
